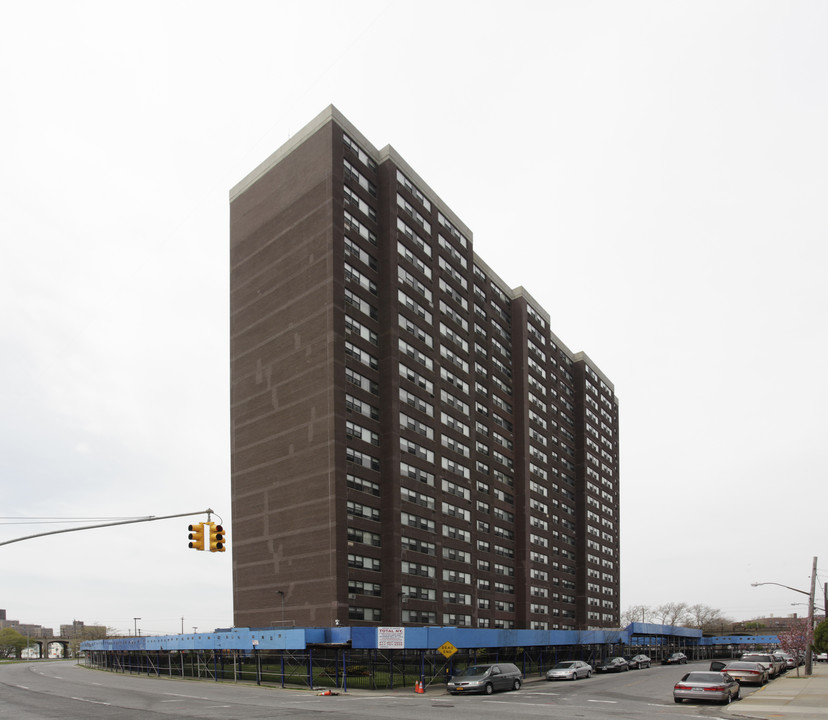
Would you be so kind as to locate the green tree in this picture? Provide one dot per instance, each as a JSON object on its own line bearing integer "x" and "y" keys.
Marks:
{"x": 821, "y": 637}
{"x": 11, "y": 643}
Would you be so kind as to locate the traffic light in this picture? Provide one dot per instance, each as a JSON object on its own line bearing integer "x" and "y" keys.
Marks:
{"x": 197, "y": 536}
{"x": 217, "y": 538}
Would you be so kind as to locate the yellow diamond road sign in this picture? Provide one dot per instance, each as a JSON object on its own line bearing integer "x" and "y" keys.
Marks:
{"x": 447, "y": 650}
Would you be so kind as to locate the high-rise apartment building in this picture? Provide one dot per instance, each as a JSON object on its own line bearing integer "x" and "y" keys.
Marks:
{"x": 411, "y": 443}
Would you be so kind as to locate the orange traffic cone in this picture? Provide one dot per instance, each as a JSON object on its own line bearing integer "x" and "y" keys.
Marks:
{"x": 418, "y": 687}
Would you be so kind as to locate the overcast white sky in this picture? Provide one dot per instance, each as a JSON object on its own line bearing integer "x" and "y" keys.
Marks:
{"x": 667, "y": 160}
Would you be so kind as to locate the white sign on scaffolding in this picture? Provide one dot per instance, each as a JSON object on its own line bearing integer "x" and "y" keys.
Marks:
{"x": 391, "y": 638}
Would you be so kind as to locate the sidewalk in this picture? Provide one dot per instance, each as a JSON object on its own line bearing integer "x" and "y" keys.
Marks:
{"x": 787, "y": 698}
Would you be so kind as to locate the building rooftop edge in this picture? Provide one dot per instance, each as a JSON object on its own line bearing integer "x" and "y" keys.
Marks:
{"x": 331, "y": 113}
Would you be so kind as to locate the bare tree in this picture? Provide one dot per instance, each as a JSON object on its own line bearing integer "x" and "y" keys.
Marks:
{"x": 636, "y": 613}
{"x": 706, "y": 618}
{"x": 672, "y": 613}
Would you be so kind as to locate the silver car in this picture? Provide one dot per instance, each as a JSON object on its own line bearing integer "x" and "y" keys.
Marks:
{"x": 747, "y": 672}
{"x": 569, "y": 670}
{"x": 768, "y": 660}
{"x": 485, "y": 679}
{"x": 713, "y": 686}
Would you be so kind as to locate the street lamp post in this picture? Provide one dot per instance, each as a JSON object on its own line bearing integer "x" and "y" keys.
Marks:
{"x": 809, "y": 655}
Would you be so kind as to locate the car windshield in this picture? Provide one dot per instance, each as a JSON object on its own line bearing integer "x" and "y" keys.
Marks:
{"x": 473, "y": 670}
{"x": 561, "y": 665}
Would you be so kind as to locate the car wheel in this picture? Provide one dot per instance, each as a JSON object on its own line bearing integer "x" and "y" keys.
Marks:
{"x": 516, "y": 685}
{"x": 678, "y": 700}
{"x": 589, "y": 673}
{"x": 728, "y": 699}
{"x": 627, "y": 667}
{"x": 574, "y": 676}
{"x": 489, "y": 689}
{"x": 738, "y": 694}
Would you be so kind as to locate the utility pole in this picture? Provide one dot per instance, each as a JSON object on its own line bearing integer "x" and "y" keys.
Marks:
{"x": 809, "y": 655}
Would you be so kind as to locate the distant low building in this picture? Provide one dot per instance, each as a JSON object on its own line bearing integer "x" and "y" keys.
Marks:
{"x": 79, "y": 630}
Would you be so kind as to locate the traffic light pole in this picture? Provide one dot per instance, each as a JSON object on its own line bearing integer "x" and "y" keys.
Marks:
{"x": 151, "y": 518}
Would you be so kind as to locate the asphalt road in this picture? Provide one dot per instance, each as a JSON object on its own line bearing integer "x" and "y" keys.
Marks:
{"x": 40, "y": 691}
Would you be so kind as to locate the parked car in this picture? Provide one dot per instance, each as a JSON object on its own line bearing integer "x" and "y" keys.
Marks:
{"x": 790, "y": 660}
{"x": 485, "y": 679}
{"x": 746, "y": 672}
{"x": 781, "y": 660}
{"x": 613, "y": 664}
{"x": 639, "y": 661}
{"x": 821, "y": 657}
{"x": 706, "y": 685}
{"x": 677, "y": 658}
{"x": 771, "y": 663}
{"x": 569, "y": 670}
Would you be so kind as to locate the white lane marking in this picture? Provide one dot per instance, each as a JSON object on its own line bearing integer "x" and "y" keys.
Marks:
{"x": 608, "y": 702}
{"x": 94, "y": 702}
{"x": 22, "y": 687}
{"x": 506, "y": 702}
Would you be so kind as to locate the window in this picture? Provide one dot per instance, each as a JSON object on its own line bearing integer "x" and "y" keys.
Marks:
{"x": 364, "y": 562}
{"x": 408, "y": 185}
{"x": 359, "y": 152}
{"x": 416, "y": 521}
{"x": 416, "y": 473}
{"x": 456, "y": 576}
{"x": 421, "y": 546}
{"x": 354, "y": 200}
{"x": 413, "y": 213}
{"x": 452, "y": 231}
{"x": 365, "y": 613}
{"x": 458, "y": 555}
{"x": 359, "y": 510}
{"x": 357, "y": 432}
{"x": 362, "y": 459}
{"x": 414, "y": 377}
{"x": 409, "y": 446}
{"x": 363, "y": 537}
{"x": 417, "y": 498}
{"x": 354, "y": 327}
{"x": 358, "y": 587}
{"x": 355, "y": 276}
{"x": 353, "y": 404}
{"x": 357, "y": 483}
{"x": 413, "y": 568}
{"x": 454, "y": 533}
{"x": 416, "y": 402}
{"x": 351, "y": 223}
{"x": 406, "y": 421}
